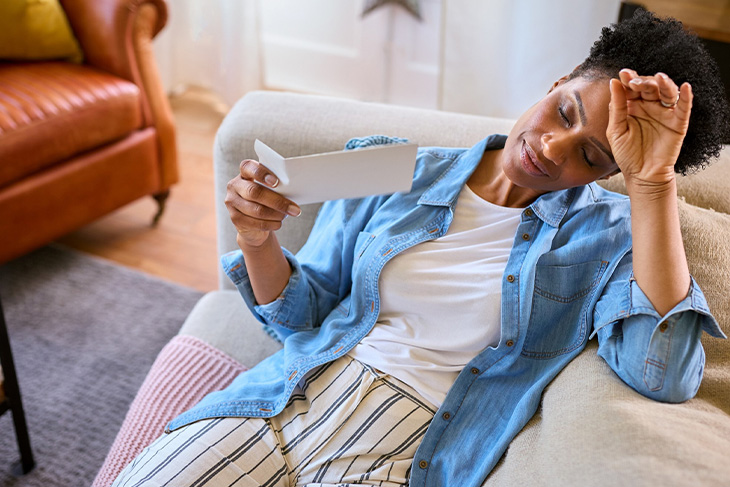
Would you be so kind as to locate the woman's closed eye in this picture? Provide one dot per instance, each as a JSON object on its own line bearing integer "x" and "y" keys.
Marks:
{"x": 585, "y": 158}
{"x": 564, "y": 116}
{"x": 568, "y": 123}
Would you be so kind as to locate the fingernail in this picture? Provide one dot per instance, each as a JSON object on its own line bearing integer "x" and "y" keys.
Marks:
{"x": 635, "y": 81}
{"x": 271, "y": 180}
{"x": 294, "y": 210}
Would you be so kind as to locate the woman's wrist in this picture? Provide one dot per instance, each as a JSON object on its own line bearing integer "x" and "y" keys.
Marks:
{"x": 641, "y": 190}
{"x": 268, "y": 269}
{"x": 248, "y": 248}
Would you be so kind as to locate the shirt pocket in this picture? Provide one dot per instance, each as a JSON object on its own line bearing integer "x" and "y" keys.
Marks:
{"x": 558, "y": 322}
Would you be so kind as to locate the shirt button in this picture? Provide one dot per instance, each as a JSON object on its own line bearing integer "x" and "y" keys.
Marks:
{"x": 446, "y": 415}
{"x": 423, "y": 464}
{"x": 510, "y": 343}
{"x": 528, "y": 212}
{"x": 510, "y": 278}
{"x": 525, "y": 236}
{"x": 474, "y": 370}
{"x": 663, "y": 327}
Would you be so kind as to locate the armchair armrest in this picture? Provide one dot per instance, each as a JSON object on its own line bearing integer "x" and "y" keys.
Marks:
{"x": 105, "y": 30}
{"x": 116, "y": 37}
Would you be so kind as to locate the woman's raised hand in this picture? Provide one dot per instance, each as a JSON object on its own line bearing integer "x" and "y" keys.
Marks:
{"x": 255, "y": 209}
{"x": 648, "y": 119}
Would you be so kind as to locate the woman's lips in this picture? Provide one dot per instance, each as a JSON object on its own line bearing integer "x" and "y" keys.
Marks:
{"x": 530, "y": 162}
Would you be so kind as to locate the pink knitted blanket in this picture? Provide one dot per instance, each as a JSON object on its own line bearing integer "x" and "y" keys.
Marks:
{"x": 185, "y": 370}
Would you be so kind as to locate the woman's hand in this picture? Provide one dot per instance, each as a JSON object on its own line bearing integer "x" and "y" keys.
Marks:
{"x": 256, "y": 210}
{"x": 648, "y": 119}
{"x": 646, "y": 129}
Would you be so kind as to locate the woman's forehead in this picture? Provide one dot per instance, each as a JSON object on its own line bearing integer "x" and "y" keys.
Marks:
{"x": 591, "y": 95}
{"x": 598, "y": 86}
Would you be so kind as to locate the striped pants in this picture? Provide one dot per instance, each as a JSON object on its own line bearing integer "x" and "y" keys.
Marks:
{"x": 345, "y": 424}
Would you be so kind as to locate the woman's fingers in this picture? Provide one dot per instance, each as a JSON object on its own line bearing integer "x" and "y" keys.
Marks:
{"x": 659, "y": 87}
{"x": 255, "y": 210}
{"x": 252, "y": 186}
{"x": 617, "y": 111}
{"x": 648, "y": 119}
{"x": 684, "y": 103}
{"x": 255, "y": 171}
{"x": 254, "y": 207}
{"x": 668, "y": 91}
{"x": 263, "y": 197}
{"x": 246, "y": 223}
{"x": 627, "y": 76}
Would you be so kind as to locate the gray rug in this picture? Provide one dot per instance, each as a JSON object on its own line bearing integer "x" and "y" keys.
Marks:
{"x": 84, "y": 333}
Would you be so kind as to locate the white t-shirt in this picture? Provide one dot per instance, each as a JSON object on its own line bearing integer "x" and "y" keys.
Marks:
{"x": 441, "y": 299}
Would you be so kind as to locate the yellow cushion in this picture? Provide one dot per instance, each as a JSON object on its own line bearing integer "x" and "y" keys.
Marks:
{"x": 36, "y": 30}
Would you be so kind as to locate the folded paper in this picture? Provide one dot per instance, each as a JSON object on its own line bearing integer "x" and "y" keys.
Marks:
{"x": 382, "y": 169}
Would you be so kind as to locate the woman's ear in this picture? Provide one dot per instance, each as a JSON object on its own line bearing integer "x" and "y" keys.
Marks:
{"x": 561, "y": 80}
{"x": 558, "y": 83}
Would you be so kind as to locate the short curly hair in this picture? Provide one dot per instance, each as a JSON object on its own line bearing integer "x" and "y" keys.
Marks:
{"x": 649, "y": 45}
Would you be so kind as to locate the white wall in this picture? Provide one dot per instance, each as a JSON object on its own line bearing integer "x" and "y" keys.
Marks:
{"x": 491, "y": 57}
{"x": 501, "y": 56}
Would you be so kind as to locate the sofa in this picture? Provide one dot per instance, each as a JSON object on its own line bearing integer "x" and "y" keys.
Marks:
{"x": 591, "y": 429}
{"x": 85, "y": 133}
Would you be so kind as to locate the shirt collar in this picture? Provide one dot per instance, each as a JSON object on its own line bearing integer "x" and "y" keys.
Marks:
{"x": 552, "y": 207}
{"x": 444, "y": 191}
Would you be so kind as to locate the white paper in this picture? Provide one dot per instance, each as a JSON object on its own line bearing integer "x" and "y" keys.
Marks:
{"x": 382, "y": 169}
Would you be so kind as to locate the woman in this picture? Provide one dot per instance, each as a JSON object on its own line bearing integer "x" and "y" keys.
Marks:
{"x": 501, "y": 260}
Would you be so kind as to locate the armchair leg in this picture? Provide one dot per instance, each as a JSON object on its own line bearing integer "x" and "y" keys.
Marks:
{"x": 161, "y": 199}
{"x": 12, "y": 399}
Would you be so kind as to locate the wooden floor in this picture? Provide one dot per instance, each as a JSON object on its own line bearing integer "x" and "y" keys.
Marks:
{"x": 182, "y": 248}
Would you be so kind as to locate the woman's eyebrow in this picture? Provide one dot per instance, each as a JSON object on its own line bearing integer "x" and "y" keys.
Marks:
{"x": 584, "y": 121}
{"x": 581, "y": 110}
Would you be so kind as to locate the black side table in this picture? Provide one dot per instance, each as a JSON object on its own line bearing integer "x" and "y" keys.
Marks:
{"x": 11, "y": 402}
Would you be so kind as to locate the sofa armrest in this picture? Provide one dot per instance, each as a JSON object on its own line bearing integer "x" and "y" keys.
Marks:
{"x": 116, "y": 37}
{"x": 105, "y": 30}
{"x": 222, "y": 320}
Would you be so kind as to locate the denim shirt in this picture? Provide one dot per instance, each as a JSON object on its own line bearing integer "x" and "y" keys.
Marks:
{"x": 568, "y": 277}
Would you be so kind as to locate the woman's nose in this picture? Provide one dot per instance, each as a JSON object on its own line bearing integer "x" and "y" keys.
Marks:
{"x": 554, "y": 147}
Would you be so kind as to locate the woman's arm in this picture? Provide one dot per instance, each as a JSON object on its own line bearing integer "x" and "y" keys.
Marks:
{"x": 646, "y": 137}
{"x": 256, "y": 212}
{"x": 660, "y": 263}
{"x": 285, "y": 292}
{"x": 649, "y": 332}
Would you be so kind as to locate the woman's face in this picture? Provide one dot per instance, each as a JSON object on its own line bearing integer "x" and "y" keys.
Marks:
{"x": 561, "y": 142}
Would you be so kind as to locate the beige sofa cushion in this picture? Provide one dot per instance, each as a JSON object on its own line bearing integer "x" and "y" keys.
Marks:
{"x": 709, "y": 188}
{"x": 594, "y": 430}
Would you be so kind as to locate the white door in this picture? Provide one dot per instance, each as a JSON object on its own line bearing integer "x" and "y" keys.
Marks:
{"x": 327, "y": 47}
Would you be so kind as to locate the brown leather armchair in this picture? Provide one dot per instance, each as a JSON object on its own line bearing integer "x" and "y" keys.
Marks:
{"x": 79, "y": 141}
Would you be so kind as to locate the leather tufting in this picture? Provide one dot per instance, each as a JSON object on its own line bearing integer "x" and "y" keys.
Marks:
{"x": 51, "y": 111}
